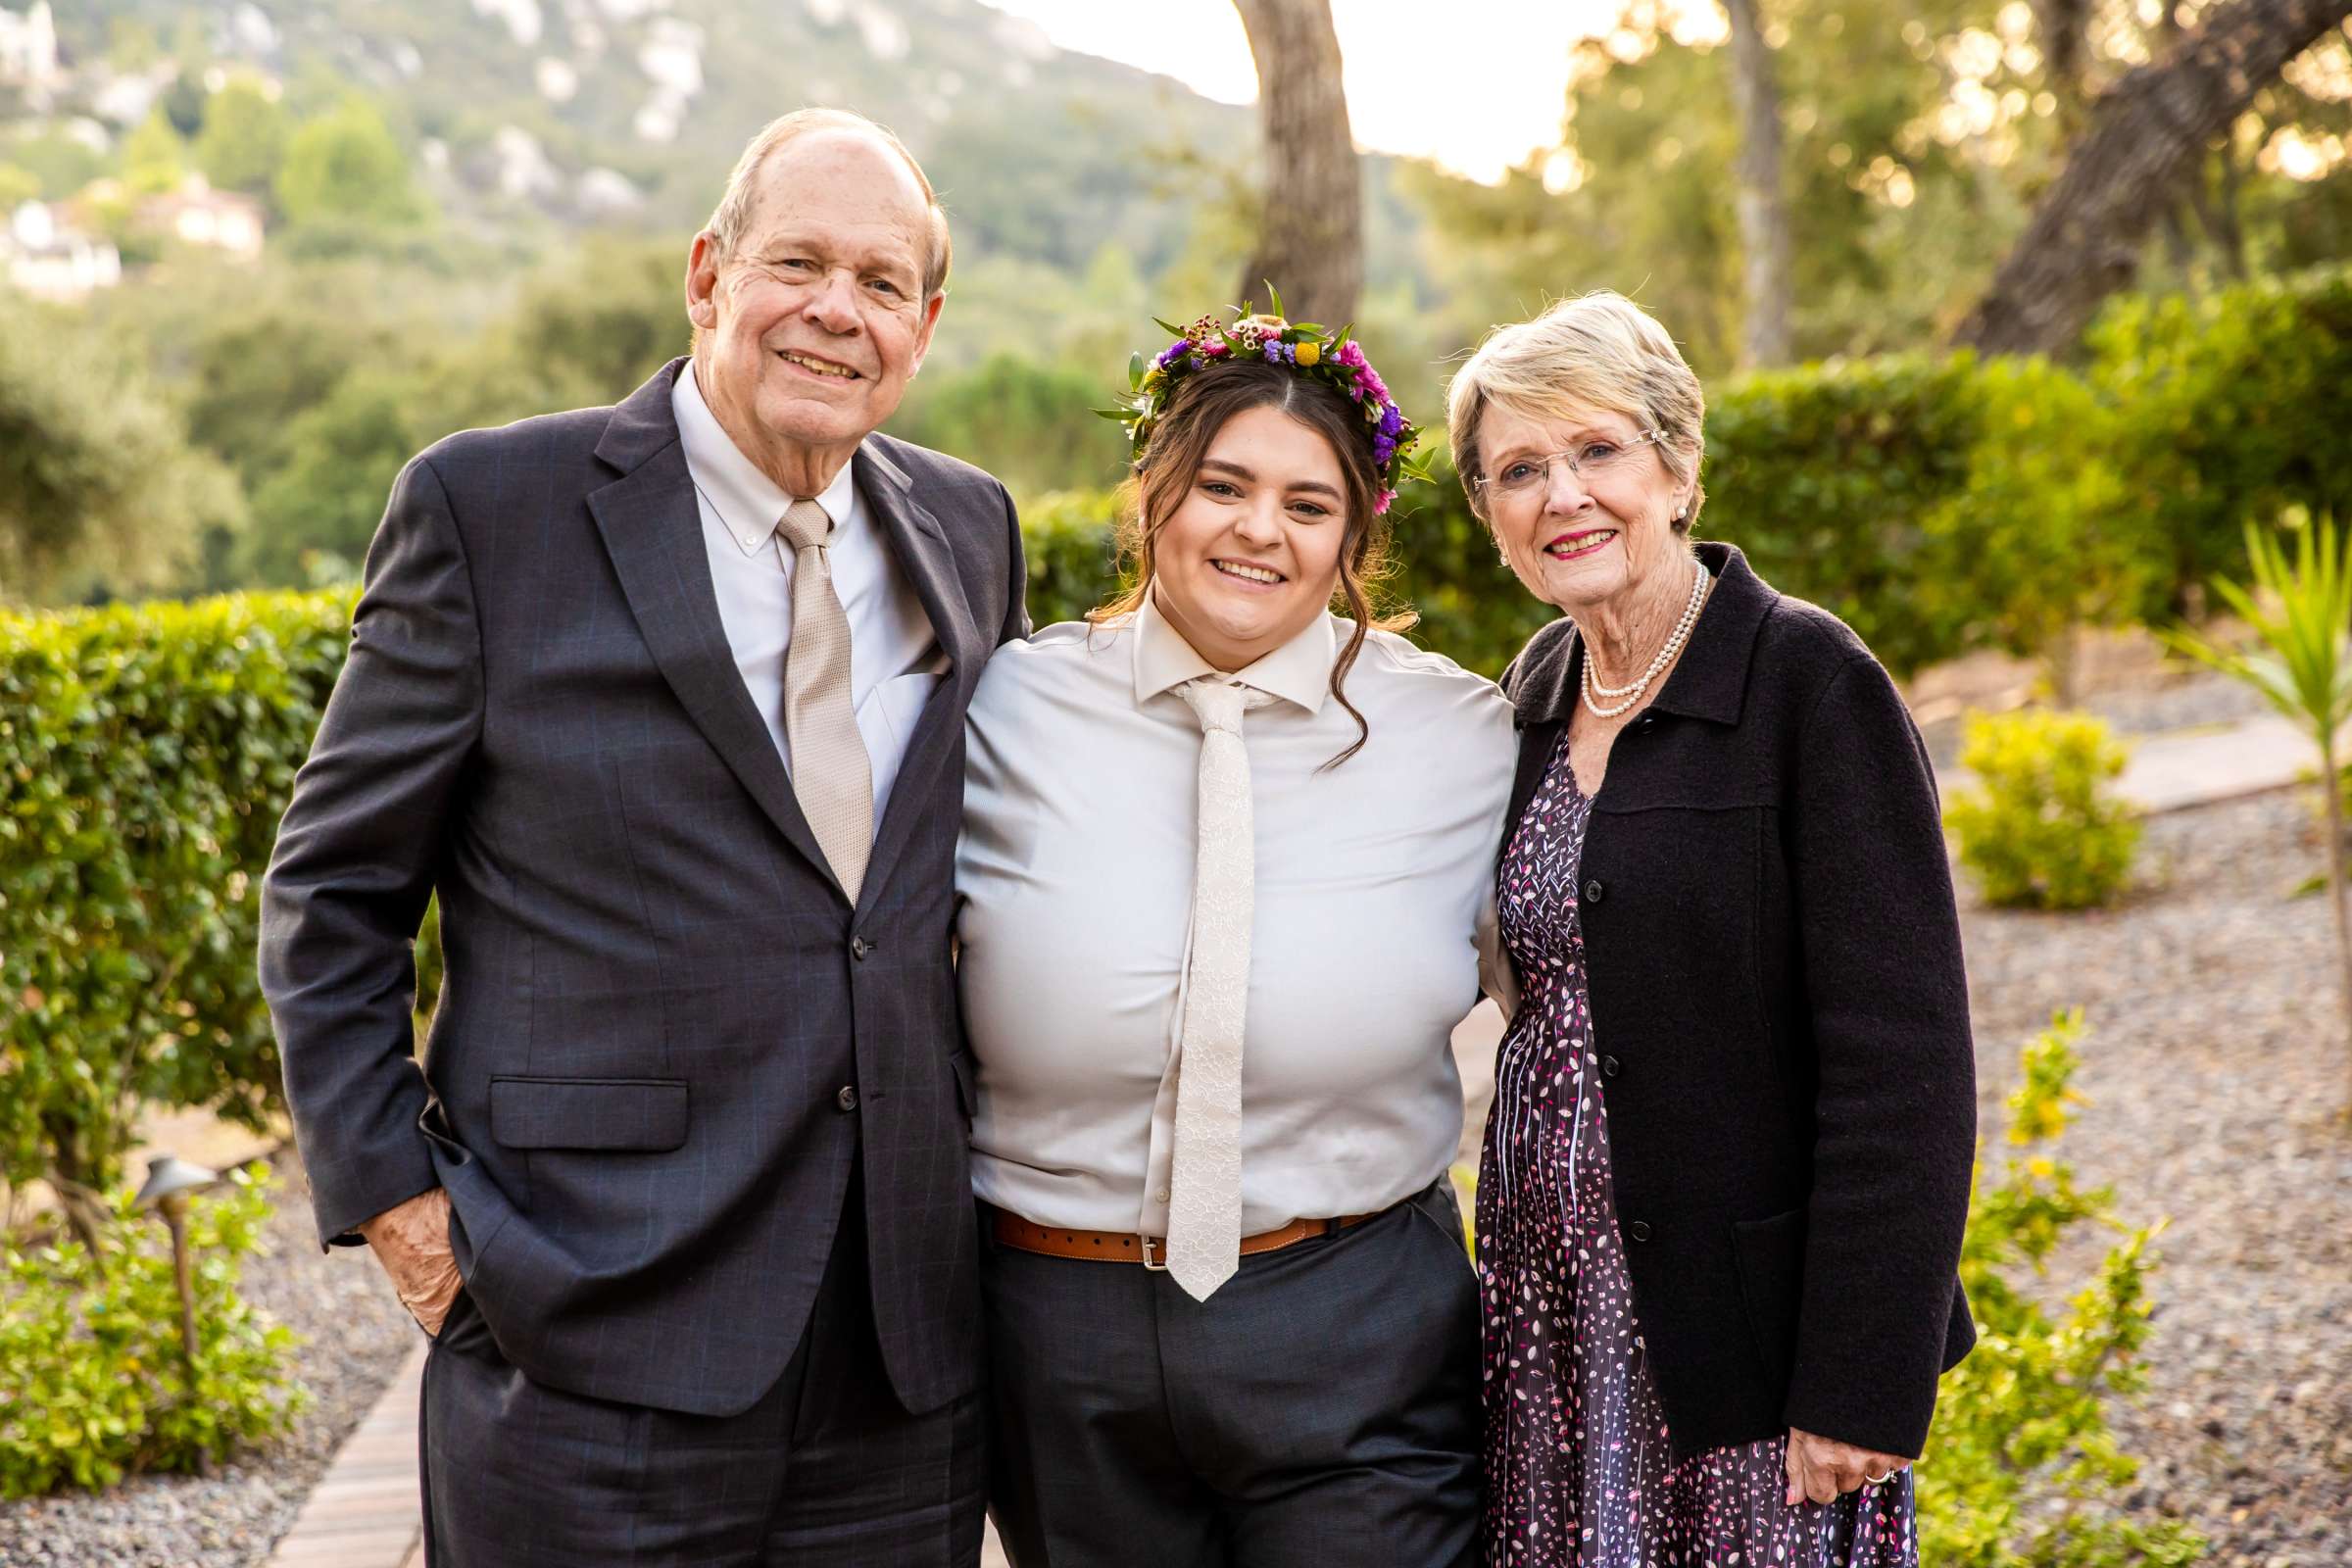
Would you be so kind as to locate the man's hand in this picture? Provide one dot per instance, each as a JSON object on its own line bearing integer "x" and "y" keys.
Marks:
{"x": 412, "y": 1241}
{"x": 1821, "y": 1468}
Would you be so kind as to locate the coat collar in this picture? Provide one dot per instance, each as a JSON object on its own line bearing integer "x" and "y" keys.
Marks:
{"x": 653, "y": 532}
{"x": 1709, "y": 682}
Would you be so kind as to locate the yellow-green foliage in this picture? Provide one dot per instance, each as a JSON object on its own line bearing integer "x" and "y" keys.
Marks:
{"x": 2020, "y": 1456}
{"x": 146, "y": 754}
{"x": 90, "y": 1355}
{"x": 2041, "y": 828}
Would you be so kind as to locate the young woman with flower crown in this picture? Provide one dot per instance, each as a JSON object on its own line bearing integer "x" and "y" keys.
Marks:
{"x": 1226, "y": 863}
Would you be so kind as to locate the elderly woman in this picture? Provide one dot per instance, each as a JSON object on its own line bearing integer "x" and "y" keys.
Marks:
{"x": 1225, "y": 856}
{"x": 1726, "y": 1170}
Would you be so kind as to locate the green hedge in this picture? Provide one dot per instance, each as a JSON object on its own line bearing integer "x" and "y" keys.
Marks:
{"x": 2233, "y": 409}
{"x": 145, "y": 756}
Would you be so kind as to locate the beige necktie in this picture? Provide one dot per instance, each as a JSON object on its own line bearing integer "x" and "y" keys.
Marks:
{"x": 830, "y": 772}
{"x": 1204, "y": 1188}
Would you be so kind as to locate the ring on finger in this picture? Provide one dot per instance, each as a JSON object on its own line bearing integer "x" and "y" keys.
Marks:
{"x": 1878, "y": 1480}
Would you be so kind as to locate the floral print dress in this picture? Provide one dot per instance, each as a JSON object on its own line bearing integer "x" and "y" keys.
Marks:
{"x": 1578, "y": 1467}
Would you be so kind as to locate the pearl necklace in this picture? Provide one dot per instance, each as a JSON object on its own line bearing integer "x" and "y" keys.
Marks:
{"x": 1681, "y": 631}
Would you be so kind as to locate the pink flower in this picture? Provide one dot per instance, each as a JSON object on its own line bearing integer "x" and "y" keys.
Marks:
{"x": 1380, "y": 507}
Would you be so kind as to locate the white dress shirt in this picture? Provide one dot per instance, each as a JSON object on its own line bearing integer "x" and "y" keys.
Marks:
{"x": 1075, "y": 876}
{"x": 894, "y": 659}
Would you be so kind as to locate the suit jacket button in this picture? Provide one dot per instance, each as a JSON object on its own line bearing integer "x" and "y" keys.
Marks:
{"x": 1637, "y": 1231}
{"x": 847, "y": 1100}
{"x": 859, "y": 948}
{"x": 1609, "y": 1066}
{"x": 1595, "y": 892}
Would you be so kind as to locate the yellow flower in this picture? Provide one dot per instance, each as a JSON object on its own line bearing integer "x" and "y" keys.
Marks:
{"x": 1309, "y": 353}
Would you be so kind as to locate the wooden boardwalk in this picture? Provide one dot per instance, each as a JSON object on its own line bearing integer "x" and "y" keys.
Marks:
{"x": 364, "y": 1512}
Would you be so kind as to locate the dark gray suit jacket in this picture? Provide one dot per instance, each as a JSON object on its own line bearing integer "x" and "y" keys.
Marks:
{"x": 657, "y": 995}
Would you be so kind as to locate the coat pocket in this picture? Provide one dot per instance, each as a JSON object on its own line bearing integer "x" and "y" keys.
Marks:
{"x": 645, "y": 1115}
{"x": 1771, "y": 1255}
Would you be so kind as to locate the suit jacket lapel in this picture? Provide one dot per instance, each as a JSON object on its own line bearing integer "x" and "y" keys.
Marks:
{"x": 653, "y": 530}
{"x": 920, "y": 546}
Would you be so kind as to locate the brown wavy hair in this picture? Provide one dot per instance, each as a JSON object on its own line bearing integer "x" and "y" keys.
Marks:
{"x": 1171, "y": 461}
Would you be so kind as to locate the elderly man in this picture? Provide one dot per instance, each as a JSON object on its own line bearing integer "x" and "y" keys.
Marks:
{"x": 666, "y": 701}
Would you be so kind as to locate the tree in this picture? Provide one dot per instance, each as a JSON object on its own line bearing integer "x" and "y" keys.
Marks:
{"x": 347, "y": 168}
{"x": 1763, "y": 215}
{"x": 2144, "y": 139}
{"x": 154, "y": 158}
{"x": 97, "y": 485}
{"x": 1310, "y": 238}
{"x": 243, "y": 143}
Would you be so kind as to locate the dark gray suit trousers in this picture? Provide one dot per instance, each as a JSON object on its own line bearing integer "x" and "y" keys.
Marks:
{"x": 825, "y": 1470}
{"x": 1321, "y": 1407}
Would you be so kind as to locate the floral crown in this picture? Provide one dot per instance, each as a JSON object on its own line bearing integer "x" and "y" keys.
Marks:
{"x": 1318, "y": 355}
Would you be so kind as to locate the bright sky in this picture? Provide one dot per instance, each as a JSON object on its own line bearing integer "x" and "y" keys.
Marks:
{"x": 1475, "y": 84}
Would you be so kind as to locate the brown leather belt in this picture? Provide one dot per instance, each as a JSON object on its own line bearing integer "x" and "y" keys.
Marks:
{"x": 1113, "y": 1247}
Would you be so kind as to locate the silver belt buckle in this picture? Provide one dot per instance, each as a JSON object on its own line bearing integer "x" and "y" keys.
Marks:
{"x": 1160, "y": 1267}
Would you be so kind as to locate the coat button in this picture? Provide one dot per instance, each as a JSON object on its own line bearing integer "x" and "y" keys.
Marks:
{"x": 859, "y": 948}
{"x": 1637, "y": 1231}
{"x": 1609, "y": 1066}
{"x": 1646, "y": 723}
{"x": 1595, "y": 892}
{"x": 847, "y": 1100}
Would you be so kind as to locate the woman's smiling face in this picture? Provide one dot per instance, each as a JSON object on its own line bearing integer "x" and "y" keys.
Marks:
{"x": 1250, "y": 556}
{"x": 1579, "y": 540}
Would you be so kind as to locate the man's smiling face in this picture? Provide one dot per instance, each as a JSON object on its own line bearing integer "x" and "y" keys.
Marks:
{"x": 814, "y": 324}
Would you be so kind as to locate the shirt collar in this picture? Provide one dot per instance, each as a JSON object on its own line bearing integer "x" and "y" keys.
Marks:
{"x": 1297, "y": 672}
{"x": 747, "y": 502}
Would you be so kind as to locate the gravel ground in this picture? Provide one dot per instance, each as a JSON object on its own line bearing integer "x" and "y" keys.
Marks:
{"x": 353, "y": 1336}
{"x": 2178, "y": 698}
{"x": 2216, "y": 1071}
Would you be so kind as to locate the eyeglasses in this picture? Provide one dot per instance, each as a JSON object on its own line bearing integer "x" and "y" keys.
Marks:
{"x": 1591, "y": 462}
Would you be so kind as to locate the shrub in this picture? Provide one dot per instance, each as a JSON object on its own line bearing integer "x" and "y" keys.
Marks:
{"x": 145, "y": 757}
{"x": 2021, "y": 1443}
{"x": 90, "y": 1353}
{"x": 2234, "y": 408}
{"x": 2040, "y": 829}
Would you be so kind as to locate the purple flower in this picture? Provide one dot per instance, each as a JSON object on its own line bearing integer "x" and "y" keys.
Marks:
{"x": 1174, "y": 352}
{"x": 1392, "y": 420}
{"x": 1383, "y": 449}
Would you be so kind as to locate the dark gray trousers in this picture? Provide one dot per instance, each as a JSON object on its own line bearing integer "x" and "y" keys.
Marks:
{"x": 1322, "y": 1406}
{"x": 825, "y": 1471}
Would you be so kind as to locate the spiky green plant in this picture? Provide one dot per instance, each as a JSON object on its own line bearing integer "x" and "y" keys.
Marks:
{"x": 2301, "y": 613}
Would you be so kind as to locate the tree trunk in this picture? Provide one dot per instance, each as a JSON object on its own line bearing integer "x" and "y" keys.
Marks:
{"x": 1763, "y": 213}
{"x": 2145, "y": 135}
{"x": 1310, "y": 238}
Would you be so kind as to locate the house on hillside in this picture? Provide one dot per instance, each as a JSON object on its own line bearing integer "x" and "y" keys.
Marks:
{"x": 28, "y": 47}
{"x": 49, "y": 258}
{"x": 198, "y": 214}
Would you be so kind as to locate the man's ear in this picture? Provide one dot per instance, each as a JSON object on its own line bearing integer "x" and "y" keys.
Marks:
{"x": 922, "y": 338}
{"x": 701, "y": 282}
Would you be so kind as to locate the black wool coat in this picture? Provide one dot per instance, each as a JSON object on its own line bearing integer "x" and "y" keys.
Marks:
{"x": 1773, "y": 955}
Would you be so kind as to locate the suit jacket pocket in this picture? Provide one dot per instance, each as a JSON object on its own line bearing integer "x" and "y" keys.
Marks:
{"x": 1771, "y": 1255}
{"x": 645, "y": 1115}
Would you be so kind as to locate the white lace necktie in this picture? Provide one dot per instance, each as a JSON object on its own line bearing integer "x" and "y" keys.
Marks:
{"x": 1204, "y": 1188}
{"x": 831, "y": 773}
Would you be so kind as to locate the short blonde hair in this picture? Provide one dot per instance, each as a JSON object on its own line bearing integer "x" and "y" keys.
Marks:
{"x": 733, "y": 214}
{"x": 1598, "y": 352}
